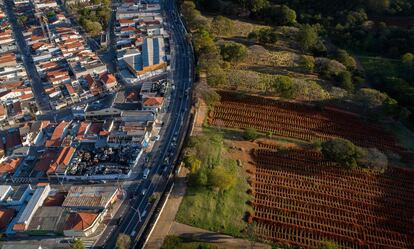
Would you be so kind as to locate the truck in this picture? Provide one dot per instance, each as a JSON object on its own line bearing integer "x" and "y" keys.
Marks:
{"x": 146, "y": 173}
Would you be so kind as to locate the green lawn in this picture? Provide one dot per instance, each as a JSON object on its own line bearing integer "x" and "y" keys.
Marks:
{"x": 215, "y": 211}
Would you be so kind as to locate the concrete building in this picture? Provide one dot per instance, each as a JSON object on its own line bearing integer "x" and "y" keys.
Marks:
{"x": 35, "y": 202}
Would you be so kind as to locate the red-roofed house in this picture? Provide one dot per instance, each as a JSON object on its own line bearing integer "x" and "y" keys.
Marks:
{"x": 63, "y": 159}
{"x": 82, "y": 224}
{"x": 108, "y": 80}
{"x": 45, "y": 161}
{"x": 9, "y": 166}
{"x": 83, "y": 127}
{"x": 154, "y": 104}
{"x": 94, "y": 87}
{"x": 6, "y": 215}
{"x": 58, "y": 134}
{"x": 93, "y": 131}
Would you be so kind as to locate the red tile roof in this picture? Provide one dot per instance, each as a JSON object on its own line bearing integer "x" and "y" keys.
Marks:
{"x": 55, "y": 200}
{"x": 108, "y": 78}
{"x": 45, "y": 161}
{"x": 70, "y": 88}
{"x": 80, "y": 221}
{"x": 6, "y": 216}
{"x": 10, "y": 165}
{"x": 153, "y": 101}
{"x": 82, "y": 129}
{"x": 56, "y": 137}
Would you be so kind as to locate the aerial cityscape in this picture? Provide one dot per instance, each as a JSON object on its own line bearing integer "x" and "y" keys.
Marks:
{"x": 206, "y": 124}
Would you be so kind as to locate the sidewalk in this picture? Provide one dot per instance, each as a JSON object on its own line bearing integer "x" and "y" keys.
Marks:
{"x": 167, "y": 216}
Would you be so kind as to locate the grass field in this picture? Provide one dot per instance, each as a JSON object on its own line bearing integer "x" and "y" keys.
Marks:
{"x": 216, "y": 211}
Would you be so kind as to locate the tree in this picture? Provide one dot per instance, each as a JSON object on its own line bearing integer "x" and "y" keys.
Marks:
{"x": 250, "y": 134}
{"x": 283, "y": 85}
{"x": 221, "y": 178}
{"x": 308, "y": 63}
{"x": 123, "y": 241}
{"x": 345, "y": 81}
{"x": 407, "y": 59}
{"x": 199, "y": 178}
{"x": 258, "y": 5}
{"x": 341, "y": 151}
{"x": 22, "y": 19}
{"x": 279, "y": 15}
{"x": 343, "y": 57}
{"x": 221, "y": 26}
{"x": 104, "y": 14}
{"x": 192, "y": 163}
{"x": 371, "y": 98}
{"x": 233, "y": 52}
{"x": 203, "y": 42}
{"x": 378, "y": 6}
{"x": 330, "y": 68}
{"x": 77, "y": 244}
{"x": 328, "y": 245}
{"x": 307, "y": 37}
{"x": 93, "y": 28}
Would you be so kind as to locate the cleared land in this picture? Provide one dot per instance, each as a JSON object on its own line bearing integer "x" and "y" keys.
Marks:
{"x": 301, "y": 122}
{"x": 302, "y": 199}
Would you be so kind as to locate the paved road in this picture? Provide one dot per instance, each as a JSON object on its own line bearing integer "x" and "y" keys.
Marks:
{"x": 42, "y": 99}
{"x": 135, "y": 217}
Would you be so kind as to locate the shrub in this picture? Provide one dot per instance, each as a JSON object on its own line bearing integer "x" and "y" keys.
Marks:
{"x": 250, "y": 134}
{"x": 341, "y": 151}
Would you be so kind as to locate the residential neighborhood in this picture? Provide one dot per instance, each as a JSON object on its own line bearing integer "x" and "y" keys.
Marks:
{"x": 76, "y": 137}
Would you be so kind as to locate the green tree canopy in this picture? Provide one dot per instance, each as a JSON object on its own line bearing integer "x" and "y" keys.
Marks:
{"x": 307, "y": 37}
{"x": 341, "y": 151}
{"x": 93, "y": 28}
{"x": 221, "y": 178}
{"x": 343, "y": 57}
{"x": 221, "y": 26}
{"x": 345, "y": 81}
{"x": 250, "y": 134}
{"x": 283, "y": 85}
{"x": 192, "y": 163}
{"x": 77, "y": 244}
{"x": 329, "y": 245}
{"x": 233, "y": 51}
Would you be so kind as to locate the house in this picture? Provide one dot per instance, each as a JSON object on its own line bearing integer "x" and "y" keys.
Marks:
{"x": 126, "y": 22}
{"x": 108, "y": 80}
{"x": 154, "y": 104}
{"x": 83, "y": 223}
{"x": 58, "y": 134}
{"x": 6, "y": 215}
{"x": 95, "y": 87}
{"x": 91, "y": 197}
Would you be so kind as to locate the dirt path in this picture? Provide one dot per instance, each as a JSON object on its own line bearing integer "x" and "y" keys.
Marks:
{"x": 221, "y": 240}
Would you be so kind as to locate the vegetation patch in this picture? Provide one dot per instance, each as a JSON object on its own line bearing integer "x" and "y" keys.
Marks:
{"x": 217, "y": 193}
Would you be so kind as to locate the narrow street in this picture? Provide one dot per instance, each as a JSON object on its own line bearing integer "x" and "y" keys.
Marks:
{"x": 42, "y": 99}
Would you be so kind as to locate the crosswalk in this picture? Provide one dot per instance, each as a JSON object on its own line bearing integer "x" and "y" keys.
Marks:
{"x": 88, "y": 243}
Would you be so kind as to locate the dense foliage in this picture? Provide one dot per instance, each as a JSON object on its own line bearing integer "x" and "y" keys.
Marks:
{"x": 342, "y": 151}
